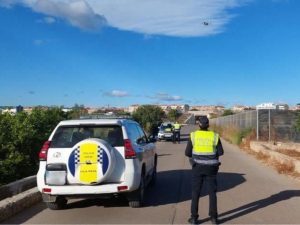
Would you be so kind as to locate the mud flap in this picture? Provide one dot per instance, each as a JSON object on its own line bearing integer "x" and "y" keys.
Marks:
{"x": 48, "y": 198}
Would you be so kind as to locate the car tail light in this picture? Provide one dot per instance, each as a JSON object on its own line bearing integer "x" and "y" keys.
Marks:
{"x": 44, "y": 151}
{"x": 122, "y": 188}
{"x": 129, "y": 151}
{"x": 46, "y": 190}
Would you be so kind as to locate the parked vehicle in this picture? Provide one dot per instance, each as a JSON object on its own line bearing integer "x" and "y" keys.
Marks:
{"x": 96, "y": 158}
{"x": 165, "y": 131}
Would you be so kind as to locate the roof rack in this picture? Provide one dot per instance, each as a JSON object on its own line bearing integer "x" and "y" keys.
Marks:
{"x": 103, "y": 116}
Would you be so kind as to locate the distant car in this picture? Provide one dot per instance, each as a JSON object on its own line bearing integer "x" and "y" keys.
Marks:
{"x": 92, "y": 158}
{"x": 165, "y": 131}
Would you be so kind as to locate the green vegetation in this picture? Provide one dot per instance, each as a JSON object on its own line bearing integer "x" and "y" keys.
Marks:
{"x": 21, "y": 138}
{"x": 173, "y": 115}
{"x": 149, "y": 116}
{"x": 227, "y": 112}
{"x": 298, "y": 123}
{"x": 233, "y": 134}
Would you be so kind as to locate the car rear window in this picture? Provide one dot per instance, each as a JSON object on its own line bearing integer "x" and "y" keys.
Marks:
{"x": 68, "y": 136}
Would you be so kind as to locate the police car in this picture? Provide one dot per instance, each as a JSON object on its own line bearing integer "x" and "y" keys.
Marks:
{"x": 165, "y": 131}
{"x": 96, "y": 158}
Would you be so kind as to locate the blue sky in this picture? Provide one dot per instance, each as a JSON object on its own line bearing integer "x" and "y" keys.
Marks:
{"x": 100, "y": 52}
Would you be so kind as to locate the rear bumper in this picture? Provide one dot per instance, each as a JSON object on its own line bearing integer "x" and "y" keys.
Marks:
{"x": 165, "y": 136}
{"x": 80, "y": 190}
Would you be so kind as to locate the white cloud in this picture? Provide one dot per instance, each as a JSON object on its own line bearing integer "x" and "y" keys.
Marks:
{"x": 116, "y": 93}
{"x": 166, "y": 97}
{"x": 183, "y": 18}
{"x": 49, "y": 20}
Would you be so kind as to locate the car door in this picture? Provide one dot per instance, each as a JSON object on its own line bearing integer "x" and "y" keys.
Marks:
{"x": 148, "y": 149}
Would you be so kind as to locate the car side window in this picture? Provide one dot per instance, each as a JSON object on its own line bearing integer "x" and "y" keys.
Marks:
{"x": 133, "y": 132}
{"x": 142, "y": 136}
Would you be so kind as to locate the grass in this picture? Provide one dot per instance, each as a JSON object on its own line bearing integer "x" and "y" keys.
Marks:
{"x": 242, "y": 138}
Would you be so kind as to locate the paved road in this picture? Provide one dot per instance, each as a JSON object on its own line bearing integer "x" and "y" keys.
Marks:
{"x": 249, "y": 193}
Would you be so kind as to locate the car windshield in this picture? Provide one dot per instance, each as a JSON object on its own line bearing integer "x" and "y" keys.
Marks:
{"x": 163, "y": 127}
{"x": 68, "y": 136}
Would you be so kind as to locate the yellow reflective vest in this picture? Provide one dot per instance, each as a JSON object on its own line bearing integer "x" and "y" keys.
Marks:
{"x": 177, "y": 126}
{"x": 204, "y": 142}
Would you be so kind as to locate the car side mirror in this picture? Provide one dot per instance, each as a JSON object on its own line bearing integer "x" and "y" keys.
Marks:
{"x": 152, "y": 139}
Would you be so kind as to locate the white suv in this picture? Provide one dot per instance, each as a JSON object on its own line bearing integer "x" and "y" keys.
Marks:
{"x": 96, "y": 158}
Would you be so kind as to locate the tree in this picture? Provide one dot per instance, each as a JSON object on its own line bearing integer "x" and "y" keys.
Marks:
{"x": 227, "y": 112}
{"x": 21, "y": 137}
{"x": 173, "y": 115}
{"x": 149, "y": 116}
{"x": 77, "y": 111}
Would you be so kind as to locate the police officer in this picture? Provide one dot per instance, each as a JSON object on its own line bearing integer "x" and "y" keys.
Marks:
{"x": 176, "y": 132}
{"x": 204, "y": 148}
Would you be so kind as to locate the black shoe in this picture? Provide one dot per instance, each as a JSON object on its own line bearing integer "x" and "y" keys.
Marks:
{"x": 193, "y": 221}
{"x": 214, "y": 221}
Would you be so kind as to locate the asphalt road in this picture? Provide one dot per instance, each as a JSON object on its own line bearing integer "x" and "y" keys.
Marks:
{"x": 249, "y": 193}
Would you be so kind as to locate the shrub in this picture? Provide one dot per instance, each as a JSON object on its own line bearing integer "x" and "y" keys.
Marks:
{"x": 21, "y": 137}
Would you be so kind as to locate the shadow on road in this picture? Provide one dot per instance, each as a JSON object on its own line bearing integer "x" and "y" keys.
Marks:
{"x": 100, "y": 202}
{"x": 253, "y": 206}
{"x": 174, "y": 186}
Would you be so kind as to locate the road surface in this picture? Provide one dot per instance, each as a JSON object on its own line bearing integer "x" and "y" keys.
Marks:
{"x": 249, "y": 193}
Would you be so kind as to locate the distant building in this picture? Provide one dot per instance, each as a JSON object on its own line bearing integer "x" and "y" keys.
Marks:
{"x": 296, "y": 107}
{"x": 66, "y": 110}
{"x": 282, "y": 107}
{"x": 19, "y": 108}
{"x": 240, "y": 108}
{"x": 131, "y": 109}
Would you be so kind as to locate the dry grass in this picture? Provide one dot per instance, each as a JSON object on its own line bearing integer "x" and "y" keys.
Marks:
{"x": 243, "y": 139}
{"x": 262, "y": 156}
{"x": 292, "y": 153}
{"x": 283, "y": 168}
{"x": 287, "y": 168}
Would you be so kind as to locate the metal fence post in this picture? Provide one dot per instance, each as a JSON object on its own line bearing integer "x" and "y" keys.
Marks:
{"x": 257, "y": 125}
{"x": 269, "y": 125}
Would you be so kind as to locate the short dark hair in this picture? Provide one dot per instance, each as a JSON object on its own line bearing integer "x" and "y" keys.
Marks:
{"x": 203, "y": 122}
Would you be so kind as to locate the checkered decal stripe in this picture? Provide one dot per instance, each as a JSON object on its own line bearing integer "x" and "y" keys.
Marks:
{"x": 100, "y": 155}
{"x": 77, "y": 155}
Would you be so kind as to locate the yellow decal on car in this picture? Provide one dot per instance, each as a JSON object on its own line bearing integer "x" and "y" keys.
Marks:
{"x": 88, "y": 161}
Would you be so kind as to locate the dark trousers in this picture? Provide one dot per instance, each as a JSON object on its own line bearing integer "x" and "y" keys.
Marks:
{"x": 198, "y": 178}
{"x": 176, "y": 136}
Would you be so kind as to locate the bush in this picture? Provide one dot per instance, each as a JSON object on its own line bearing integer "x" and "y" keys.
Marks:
{"x": 21, "y": 137}
{"x": 233, "y": 134}
{"x": 149, "y": 116}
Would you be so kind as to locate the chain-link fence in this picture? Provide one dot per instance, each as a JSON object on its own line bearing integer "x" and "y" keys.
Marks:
{"x": 270, "y": 125}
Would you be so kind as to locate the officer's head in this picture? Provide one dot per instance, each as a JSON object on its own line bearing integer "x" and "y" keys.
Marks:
{"x": 203, "y": 122}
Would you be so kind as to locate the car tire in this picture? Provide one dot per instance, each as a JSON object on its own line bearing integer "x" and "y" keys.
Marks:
{"x": 60, "y": 203}
{"x": 154, "y": 174}
{"x": 138, "y": 199}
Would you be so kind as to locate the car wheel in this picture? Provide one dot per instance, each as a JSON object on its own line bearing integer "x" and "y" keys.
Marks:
{"x": 138, "y": 199}
{"x": 154, "y": 176}
{"x": 60, "y": 203}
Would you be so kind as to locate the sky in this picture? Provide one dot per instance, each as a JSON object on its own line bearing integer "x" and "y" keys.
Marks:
{"x": 117, "y": 53}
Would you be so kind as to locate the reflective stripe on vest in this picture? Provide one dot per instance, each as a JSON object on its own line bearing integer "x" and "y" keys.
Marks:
{"x": 204, "y": 142}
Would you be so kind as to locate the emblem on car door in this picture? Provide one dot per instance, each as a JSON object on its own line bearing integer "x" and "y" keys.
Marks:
{"x": 56, "y": 154}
